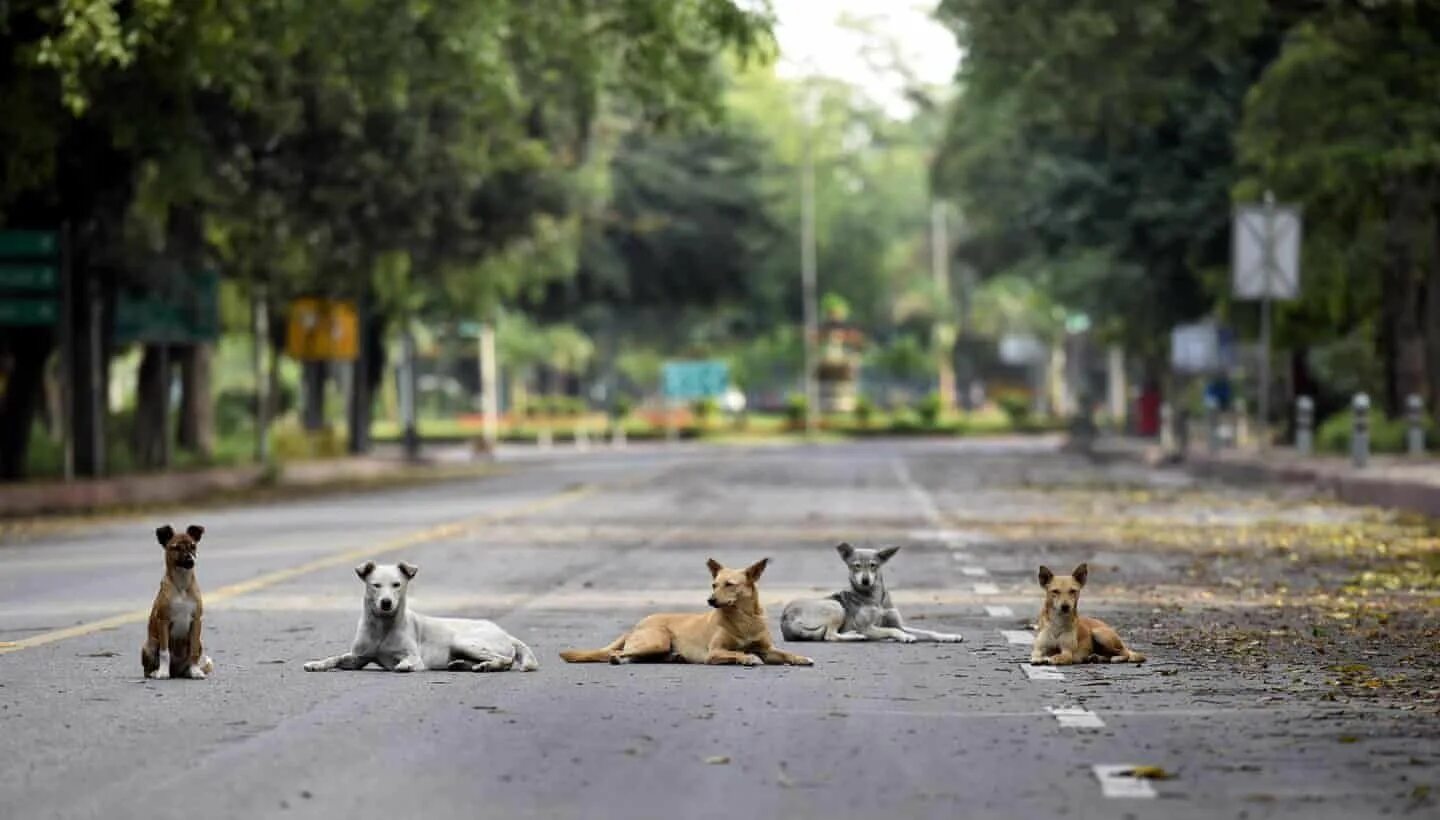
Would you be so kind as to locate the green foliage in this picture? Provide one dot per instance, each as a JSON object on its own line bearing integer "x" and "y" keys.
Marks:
{"x": 704, "y": 409}
{"x": 795, "y": 405}
{"x": 864, "y": 410}
{"x": 1016, "y": 408}
{"x": 927, "y": 408}
{"x": 1387, "y": 435}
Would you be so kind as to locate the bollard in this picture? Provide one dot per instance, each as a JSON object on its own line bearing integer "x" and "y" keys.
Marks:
{"x": 1242, "y": 425}
{"x": 617, "y": 436}
{"x": 1212, "y": 426}
{"x": 545, "y": 439}
{"x": 1167, "y": 428}
{"x": 1304, "y": 425}
{"x": 582, "y": 438}
{"x": 1415, "y": 416}
{"x": 1360, "y": 433}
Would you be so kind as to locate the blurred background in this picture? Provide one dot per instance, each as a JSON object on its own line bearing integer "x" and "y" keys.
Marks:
{"x": 257, "y": 232}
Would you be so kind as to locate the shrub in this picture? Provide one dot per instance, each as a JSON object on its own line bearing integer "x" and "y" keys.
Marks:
{"x": 795, "y": 410}
{"x": 928, "y": 409}
{"x": 864, "y": 411}
{"x": 1387, "y": 435}
{"x": 704, "y": 409}
{"x": 1016, "y": 410}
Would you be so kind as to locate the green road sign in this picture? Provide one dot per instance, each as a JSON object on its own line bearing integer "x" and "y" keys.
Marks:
{"x": 29, "y": 312}
{"x": 28, "y": 276}
{"x": 185, "y": 310}
{"x": 694, "y": 379}
{"x": 29, "y": 244}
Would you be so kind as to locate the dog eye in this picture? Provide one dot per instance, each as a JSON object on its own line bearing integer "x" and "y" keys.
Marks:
{"x": 395, "y": 585}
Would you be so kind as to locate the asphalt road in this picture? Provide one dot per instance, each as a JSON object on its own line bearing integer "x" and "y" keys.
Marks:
{"x": 568, "y": 552}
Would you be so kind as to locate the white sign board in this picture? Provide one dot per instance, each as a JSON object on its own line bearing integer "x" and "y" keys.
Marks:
{"x": 1265, "y": 247}
{"x": 1017, "y": 349}
{"x": 1201, "y": 348}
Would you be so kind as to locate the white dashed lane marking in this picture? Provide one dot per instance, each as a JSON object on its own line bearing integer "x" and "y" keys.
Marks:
{"x": 987, "y": 589}
{"x": 1114, "y": 783}
{"x": 1018, "y": 636}
{"x": 975, "y": 572}
{"x": 1074, "y": 717}
{"x": 962, "y": 556}
{"x": 1041, "y": 672}
{"x": 999, "y": 612}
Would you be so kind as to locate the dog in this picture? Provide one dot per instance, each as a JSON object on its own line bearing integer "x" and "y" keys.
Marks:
{"x": 734, "y": 631}
{"x": 1063, "y": 636}
{"x": 401, "y": 640}
{"x": 863, "y": 612}
{"x": 175, "y": 616}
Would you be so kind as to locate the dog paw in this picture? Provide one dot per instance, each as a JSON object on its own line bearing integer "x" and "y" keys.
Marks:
{"x": 491, "y": 666}
{"x": 751, "y": 660}
{"x": 801, "y": 660}
{"x": 195, "y": 673}
{"x": 314, "y": 666}
{"x": 905, "y": 637}
{"x": 1039, "y": 661}
{"x": 955, "y": 638}
{"x": 406, "y": 665}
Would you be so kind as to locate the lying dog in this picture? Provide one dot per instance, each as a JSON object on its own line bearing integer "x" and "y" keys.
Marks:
{"x": 734, "y": 631}
{"x": 1063, "y": 636}
{"x": 861, "y": 613}
{"x": 175, "y": 616}
{"x": 400, "y": 640}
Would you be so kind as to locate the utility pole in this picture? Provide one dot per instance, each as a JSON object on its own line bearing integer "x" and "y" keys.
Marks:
{"x": 807, "y": 267}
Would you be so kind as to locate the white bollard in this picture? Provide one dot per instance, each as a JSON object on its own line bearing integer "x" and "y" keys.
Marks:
{"x": 1167, "y": 428}
{"x": 1304, "y": 425}
{"x": 1360, "y": 430}
{"x": 546, "y": 439}
{"x": 1415, "y": 415}
{"x": 582, "y": 439}
{"x": 617, "y": 436}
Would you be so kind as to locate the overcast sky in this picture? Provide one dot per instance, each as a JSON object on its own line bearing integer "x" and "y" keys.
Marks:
{"x": 812, "y": 39}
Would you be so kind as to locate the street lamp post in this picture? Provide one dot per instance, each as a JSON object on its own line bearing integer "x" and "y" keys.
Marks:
{"x": 807, "y": 267}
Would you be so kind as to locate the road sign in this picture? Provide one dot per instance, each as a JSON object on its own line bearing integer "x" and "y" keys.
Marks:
{"x": 685, "y": 380}
{"x": 28, "y": 276}
{"x": 29, "y": 312}
{"x": 322, "y": 330}
{"x": 1202, "y": 347}
{"x": 1265, "y": 245}
{"x": 182, "y": 310}
{"x": 29, "y": 244}
{"x": 1021, "y": 348}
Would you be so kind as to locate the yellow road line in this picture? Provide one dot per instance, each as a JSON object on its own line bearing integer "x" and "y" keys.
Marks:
{"x": 438, "y": 533}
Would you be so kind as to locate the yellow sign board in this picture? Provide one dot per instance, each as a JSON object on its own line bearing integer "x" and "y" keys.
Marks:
{"x": 322, "y": 330}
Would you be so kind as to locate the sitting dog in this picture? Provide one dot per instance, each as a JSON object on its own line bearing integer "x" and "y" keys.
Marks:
{"x": 1063, "y": 636}
{"x": 175, "y": 616}
{"x": 861, "y": 613}
{"x": 400, "y": 640}
{"x": 734, "y": 631}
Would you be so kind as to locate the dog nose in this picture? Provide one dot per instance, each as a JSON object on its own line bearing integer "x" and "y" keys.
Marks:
{"x": 711, "y": 600}
{"x": 1064, "y": 607}
{"x": 385, "y": 605}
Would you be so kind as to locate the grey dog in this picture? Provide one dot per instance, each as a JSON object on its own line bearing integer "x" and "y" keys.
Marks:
{"x": 863, "y": 612}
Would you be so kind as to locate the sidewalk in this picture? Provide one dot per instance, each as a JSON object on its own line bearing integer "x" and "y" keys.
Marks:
{"x": 1398, "y": 482}
{"x": 87, "y": 495}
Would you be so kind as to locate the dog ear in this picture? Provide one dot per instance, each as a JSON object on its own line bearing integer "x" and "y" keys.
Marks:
{"x": 1046, "y": 576}
{"x": 195, "y": 531}
{"x": 887, "y": 553}
{"x": 1080, "y": 573}
{"x": 365, "y": 569}
{"x": 408, "y": 569}
{"x": 715, "y": 566}
{"x": 845, "y": 550}
{"x": 754, "y": 571}
{"x": 164, "y": 534}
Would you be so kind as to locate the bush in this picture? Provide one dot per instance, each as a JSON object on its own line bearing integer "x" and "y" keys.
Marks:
{"x": 624, "y": 406}
{"x": 704, "y": 409}
{"x": 1387, "y": 435}
{"x": 1016, "y": 410}
{"x": 864, "y": 411}
{"x": 795, "y": 410}
{"x": 928, "y": 409}
{"x": 292, "y": 442}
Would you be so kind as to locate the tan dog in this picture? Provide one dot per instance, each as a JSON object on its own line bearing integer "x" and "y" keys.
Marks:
{"x": 1063, "y": 636}
{"x": 175, "y": 616}
{"x": 734, "y": 631}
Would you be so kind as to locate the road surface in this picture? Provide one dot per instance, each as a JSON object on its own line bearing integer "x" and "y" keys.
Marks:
{"x": 1241, "y": 704}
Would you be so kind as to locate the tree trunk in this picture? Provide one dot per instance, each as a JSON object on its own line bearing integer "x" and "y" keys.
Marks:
{"x": 89, "y": 365}
{"x": 196, "y": 431}
{"x": 313, "y": 400}
{"x": 360, "y": 386}
{"x": 21, "y": 398}
{"x": 152, "y": 409}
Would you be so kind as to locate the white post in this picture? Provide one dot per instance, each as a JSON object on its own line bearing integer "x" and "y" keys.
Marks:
{"x": 807, "y": 270}
{"x": 1268, "y": 268}
{"x": 489, "y": 387}
{"x": 1115, "y": 365}
{"x": 1360, "y": 430}
{"x": 1304, "y": 425}
{"x": 1415, "y": 416}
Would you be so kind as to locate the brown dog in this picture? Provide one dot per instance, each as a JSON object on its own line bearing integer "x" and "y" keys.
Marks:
{"x": 1063, "y": 636}
{"x": 734, "y": 631}
{"x": 175, "y": 616}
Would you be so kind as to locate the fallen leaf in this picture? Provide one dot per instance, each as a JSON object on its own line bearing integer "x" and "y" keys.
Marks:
{"x": 718, "y": 760}
{"x": 1148, "y": 773}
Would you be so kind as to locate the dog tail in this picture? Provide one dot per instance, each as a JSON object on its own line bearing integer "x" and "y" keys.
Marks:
{"x": 525, "y": 660}
{"x": 594, "y": 655}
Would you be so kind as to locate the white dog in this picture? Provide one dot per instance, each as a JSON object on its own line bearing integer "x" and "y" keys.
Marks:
{"x": 403, "y": 641}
